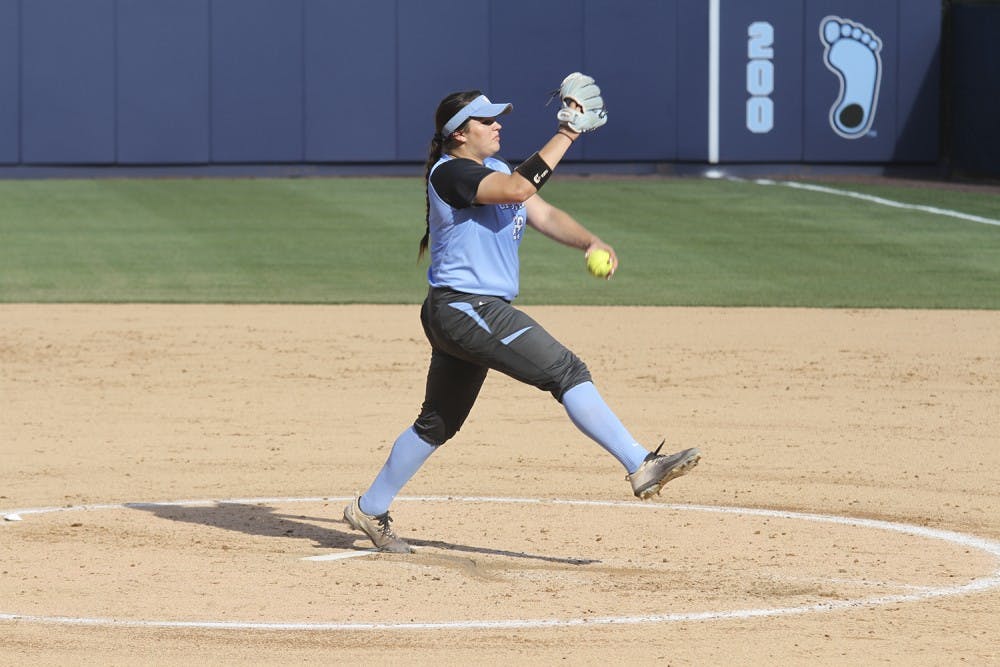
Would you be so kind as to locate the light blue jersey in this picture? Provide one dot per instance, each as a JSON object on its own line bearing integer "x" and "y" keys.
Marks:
{"x": 474, "y": 248}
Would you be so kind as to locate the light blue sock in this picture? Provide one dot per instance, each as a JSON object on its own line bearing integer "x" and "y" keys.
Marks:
{"x": 591, "y": 414}
{"x": 408, "y": 453}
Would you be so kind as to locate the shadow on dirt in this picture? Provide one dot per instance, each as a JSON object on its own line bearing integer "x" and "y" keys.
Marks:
{"x": 266, "y": 521}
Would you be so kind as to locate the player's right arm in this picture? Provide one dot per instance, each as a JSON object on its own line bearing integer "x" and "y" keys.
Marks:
{"x": 561, "y": 227}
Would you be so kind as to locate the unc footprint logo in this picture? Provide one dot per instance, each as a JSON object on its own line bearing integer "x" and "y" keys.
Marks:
{"x": 853, "y": 54}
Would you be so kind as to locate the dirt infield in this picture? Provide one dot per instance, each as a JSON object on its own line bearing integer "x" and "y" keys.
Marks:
{"x": 844, "y": 511}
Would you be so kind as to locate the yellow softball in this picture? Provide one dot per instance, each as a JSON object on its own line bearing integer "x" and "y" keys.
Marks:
{"x": 599, "y": 263}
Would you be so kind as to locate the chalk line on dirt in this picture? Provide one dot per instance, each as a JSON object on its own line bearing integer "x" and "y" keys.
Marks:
{"x": 978, "y": 585}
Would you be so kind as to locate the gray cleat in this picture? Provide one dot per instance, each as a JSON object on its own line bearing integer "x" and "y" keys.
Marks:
{"x": 658, "y": 469}
{"x": 375, "y": 527}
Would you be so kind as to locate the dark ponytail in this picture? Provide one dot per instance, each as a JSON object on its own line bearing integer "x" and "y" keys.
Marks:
{"x": 433, "y": 155}
{"x": 448, "y": 107}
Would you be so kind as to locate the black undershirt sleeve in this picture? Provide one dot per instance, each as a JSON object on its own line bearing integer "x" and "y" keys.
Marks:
{"x": 457, "y": 181}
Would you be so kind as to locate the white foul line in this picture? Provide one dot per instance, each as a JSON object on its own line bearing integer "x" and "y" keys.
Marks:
{"x": 881, "y": 200}
{"x": 990, "y": 582}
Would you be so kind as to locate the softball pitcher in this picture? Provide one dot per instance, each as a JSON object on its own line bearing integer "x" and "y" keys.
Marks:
{"x": 477, "y": 208}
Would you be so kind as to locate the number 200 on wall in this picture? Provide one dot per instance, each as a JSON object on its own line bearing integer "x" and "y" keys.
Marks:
{"x": 760, "y": 77}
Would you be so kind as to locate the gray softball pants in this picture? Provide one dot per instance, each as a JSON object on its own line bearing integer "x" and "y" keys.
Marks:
{"x": 471, "y": 334}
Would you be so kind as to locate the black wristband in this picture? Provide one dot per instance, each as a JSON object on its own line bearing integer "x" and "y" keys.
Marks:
{"x": 535, "y": 170}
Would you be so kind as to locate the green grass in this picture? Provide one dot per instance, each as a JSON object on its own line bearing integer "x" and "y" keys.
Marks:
{"x": 353, "y": 240}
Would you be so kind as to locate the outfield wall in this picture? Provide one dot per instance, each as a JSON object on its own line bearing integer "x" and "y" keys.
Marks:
{"x": 974, "y": 75}
{"x": 291, "y": 81}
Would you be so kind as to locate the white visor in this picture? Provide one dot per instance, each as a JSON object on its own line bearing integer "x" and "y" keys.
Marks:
{"x": 481, "y": 107}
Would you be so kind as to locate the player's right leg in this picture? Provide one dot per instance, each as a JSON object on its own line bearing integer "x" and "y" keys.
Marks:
{"x": 452, "y": 388}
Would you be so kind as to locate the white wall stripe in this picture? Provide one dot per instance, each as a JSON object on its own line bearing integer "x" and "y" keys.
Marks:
{"x": 714, "y": 29}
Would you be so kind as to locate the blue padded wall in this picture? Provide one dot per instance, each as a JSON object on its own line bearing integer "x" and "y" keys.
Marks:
{"x": 350, "y": 52}
{"x": 68, "y": 81}
{"x": 285, "y": 81}
{"x": 529, "y": 59}
{"x": 163, "y": 84}
{"x": 821, "y": 86}
{"x": 435, "y": 61}
{"x": 691, "y": 130}
{"x": 780, "y": 50}
{"x": 257, "y": 80}
{"x": 10, "y": 84}
{"x": 631, "y": 49}
{"x": 918, "y": 104}
{"x": 975, "y": 76}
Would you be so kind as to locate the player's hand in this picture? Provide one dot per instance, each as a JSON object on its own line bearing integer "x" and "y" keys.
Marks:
{"x": 582, "y": 105}
{"x": 598, "y": 244}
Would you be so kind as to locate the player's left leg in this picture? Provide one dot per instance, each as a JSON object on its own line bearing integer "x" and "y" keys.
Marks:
{"x": 588, "y": 411}
{"x": 520, "y": 347}
{"x": 506, "y": 339}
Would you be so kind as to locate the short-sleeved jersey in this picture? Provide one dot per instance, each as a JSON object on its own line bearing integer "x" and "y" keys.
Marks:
{"x": 474, "y": 248}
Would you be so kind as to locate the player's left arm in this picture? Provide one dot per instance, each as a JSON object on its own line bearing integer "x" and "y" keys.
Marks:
{"x": 560, "y": 226}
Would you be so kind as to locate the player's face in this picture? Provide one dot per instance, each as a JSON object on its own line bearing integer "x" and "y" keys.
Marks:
{"x": 483, "y": 136}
